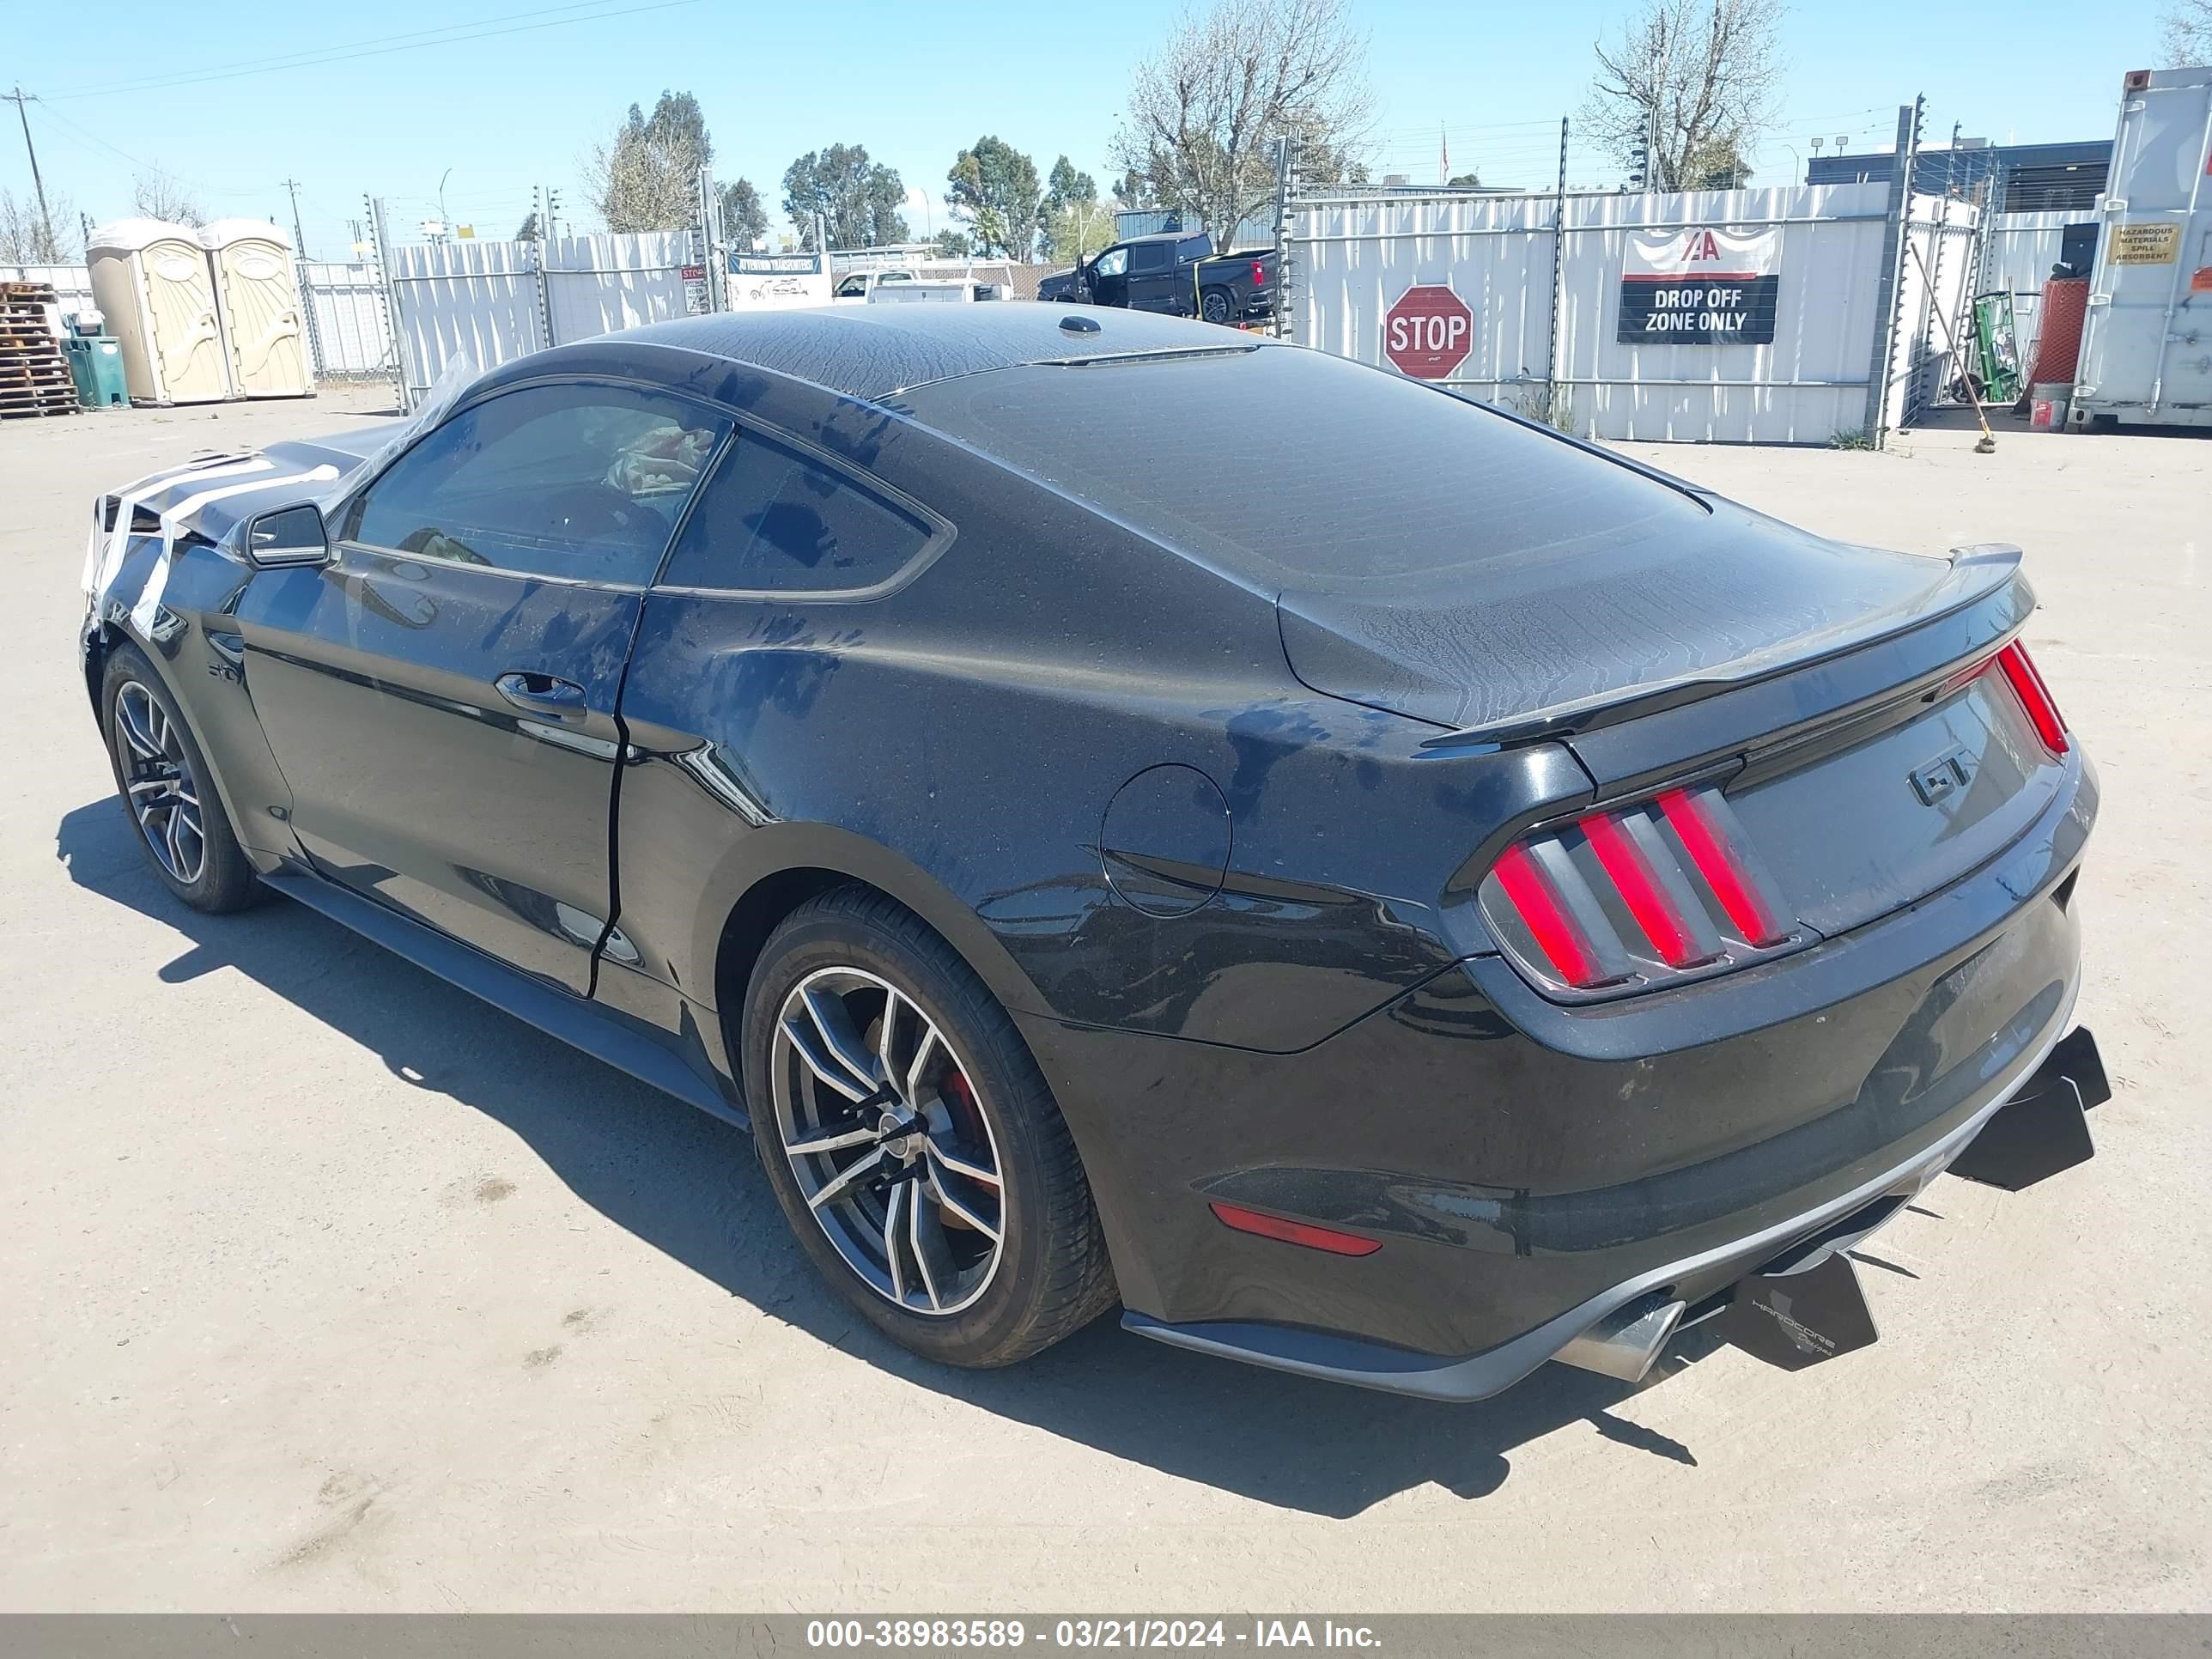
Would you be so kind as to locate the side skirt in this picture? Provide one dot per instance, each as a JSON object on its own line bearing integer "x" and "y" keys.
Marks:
{"x": 558, "y": 1014}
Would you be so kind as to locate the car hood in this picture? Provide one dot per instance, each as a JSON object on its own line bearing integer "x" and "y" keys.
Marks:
{"x": 1538, "y": 647}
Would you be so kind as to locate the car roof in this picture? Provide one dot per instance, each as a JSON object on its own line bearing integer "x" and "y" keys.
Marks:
{"x": 872, "y": 352}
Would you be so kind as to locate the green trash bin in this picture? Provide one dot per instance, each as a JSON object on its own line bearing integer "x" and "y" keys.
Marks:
{"x": 96, "y": 364}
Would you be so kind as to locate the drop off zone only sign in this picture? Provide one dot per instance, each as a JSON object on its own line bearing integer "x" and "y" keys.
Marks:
{"x": 1699, "y": 286}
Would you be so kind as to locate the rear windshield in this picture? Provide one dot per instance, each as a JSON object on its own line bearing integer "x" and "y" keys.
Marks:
{"x": 1290, "y": 469}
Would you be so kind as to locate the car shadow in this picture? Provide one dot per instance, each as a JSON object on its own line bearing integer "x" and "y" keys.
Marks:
{"x": 688, "y": 1184}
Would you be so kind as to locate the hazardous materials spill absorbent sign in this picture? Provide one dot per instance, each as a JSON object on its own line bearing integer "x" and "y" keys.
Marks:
{"x": 1699, "y": 286}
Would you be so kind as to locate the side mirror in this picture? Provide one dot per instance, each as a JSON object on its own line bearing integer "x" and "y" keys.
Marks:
{"x": 293, "y": 535}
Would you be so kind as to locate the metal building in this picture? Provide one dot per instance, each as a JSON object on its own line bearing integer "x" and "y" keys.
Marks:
{"x": 2030, "y": 177}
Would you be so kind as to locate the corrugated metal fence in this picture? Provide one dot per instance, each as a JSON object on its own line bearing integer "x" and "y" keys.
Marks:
{"x": 1352, "y": 256}
{"x": 498, "y": 301}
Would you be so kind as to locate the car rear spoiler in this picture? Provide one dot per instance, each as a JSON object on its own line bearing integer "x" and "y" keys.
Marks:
{"x": 1984, "y": 589}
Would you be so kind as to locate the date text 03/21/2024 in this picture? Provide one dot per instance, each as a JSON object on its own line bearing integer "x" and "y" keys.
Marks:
{"x": 1086, "y": 1633}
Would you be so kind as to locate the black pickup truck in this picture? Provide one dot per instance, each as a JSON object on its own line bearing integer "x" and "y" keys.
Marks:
{"x": 1177, "y": 272}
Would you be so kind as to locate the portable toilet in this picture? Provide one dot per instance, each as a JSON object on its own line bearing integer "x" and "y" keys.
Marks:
{"x": 258, "y": 296}
{"x": 153, "y": 282}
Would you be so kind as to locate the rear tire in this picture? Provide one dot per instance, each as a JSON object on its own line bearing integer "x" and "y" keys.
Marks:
{"x": 939, "y": 1132}
{"x": 1215, "y": 306}
{"x": 175, "y": 816}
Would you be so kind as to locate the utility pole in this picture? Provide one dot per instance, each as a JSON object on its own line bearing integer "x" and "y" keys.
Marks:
{"x": 299, "y": 236}
{"x": 38, "y": 183}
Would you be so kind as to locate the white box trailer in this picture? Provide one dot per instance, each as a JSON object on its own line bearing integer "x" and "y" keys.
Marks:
{"x": 2147, "y": 345}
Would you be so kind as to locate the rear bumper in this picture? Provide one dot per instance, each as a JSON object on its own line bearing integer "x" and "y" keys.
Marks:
{"x": 1529, "y": 1170}
{"x": 1687, "y": 1281}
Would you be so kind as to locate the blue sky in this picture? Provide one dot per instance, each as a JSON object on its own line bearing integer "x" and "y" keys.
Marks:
{"x": 913, "y": 81}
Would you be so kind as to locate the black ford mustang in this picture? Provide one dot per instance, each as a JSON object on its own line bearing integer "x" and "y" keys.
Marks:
{"x": 1433, "y": 898}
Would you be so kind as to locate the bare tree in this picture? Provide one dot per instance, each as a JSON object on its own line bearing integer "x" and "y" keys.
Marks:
{"x": 2185, "y": 32}
{"x": 647, "y": 176}
{"x": 158, "y": 196}
{"x": 1697, "y": 79}
{"x": 1205, "y": 111}
{"x": 28, "y": 238}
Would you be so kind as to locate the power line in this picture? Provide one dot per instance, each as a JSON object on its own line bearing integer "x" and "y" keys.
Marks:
{"x": 90, "y": 136}
{"x": 360, "y": 49}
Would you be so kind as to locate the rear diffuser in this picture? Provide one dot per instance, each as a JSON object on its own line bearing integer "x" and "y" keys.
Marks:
{"x": 2043, "y": 1129}
{"x": 1796, "y": 1319}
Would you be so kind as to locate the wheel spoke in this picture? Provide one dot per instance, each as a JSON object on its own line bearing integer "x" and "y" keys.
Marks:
{"x": 829, "y": 1140}
{"x": 950, "y": 1198}
{"x": 925, "y": 1046}
{"x": 144, "y": 784}
{"x": 844, "y": 1181}
{"x": 887, "y": 1035}
{"x": 171, "y": 838}
{"x": 136, "y": 732}
{"x": 835, "y": 1025}
{"x": 932, "y": 1254}
{"x": 959, "y": 1163}
{"x": 893, "y": 1208}
{"x": 820, "y": 1060}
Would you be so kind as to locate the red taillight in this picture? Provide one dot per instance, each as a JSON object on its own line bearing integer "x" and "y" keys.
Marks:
{"x": 1721, "y": 865}
{"x": 1259, "y": 275}
{"x": 1294, "y": 1232}
{"x": 1656, "y": 912}
{"x": 2034, "y": 696}
{"x": 1637, "y": 894}
{"x": 1557, "y": 933}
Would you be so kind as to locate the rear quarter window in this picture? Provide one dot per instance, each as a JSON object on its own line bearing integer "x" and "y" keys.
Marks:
{"x": 772, "y": 521}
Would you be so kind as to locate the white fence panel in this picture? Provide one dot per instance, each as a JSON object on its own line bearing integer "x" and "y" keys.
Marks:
{"x": 495, "y": 300}
{"x": 72, "y": 284}
{"x": 471, "y": 298}
{"x": 350, "y": 335}
{"x": 1809, "y": 384}
{"x": 2019, "y": 249}
{"x": 1353, "y": 258}
{"x": 1932, "y": 305}
{"x": 597, "y": 284}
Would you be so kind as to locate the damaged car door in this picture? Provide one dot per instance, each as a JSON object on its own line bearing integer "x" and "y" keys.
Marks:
{"x": 439, "y": 687}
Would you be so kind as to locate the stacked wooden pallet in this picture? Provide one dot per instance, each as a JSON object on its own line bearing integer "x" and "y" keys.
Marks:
{"x": 34, "y": 375}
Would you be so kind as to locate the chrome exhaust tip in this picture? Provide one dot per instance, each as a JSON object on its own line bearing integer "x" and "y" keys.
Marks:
{"x": 1624, "y": 1343}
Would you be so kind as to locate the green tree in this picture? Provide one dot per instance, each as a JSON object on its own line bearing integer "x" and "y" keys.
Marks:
{"x": 994, "y": 188}
{"x": 861, "y": 199}
{"x": 1073, "y": 222}
{"x": 744, "y": 221}
{"x": 1717, "y": 164}
{"x": 954, "y": 243}
{"x": 1465, "y": 181}
{"x": 528, "y": 231}
{"x": 645, "y": 177}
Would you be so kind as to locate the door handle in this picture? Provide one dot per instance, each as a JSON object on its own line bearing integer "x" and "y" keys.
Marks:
{"x": 542, "y": 693}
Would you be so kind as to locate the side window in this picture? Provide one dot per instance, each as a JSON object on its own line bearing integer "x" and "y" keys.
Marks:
{"x": 584, "y": 482}
{"x": 854, "y": 286}
{"x": 1112, "y": 262}
{"x": 1151, "y": 256}
{"x": 770, "y": 519}
{"x": 1194, "y": 247}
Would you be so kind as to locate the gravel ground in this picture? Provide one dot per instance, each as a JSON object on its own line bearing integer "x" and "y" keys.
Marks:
{"x": 327, "y": 1286}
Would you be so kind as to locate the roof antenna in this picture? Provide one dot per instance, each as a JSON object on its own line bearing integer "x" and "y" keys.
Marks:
{"x": 1072, "y": 323}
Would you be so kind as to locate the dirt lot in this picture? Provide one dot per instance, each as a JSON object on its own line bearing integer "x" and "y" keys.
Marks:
{"x": 326, "y": 1286}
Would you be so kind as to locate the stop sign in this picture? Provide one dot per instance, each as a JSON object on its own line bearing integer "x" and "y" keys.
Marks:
{"x": 1428, "y": 332}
